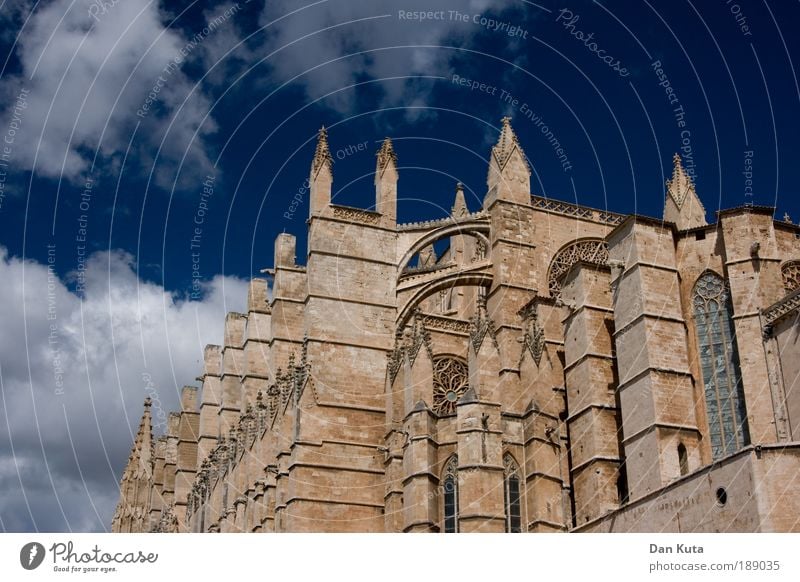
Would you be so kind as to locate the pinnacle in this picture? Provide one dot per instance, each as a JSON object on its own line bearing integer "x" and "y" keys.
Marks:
{"x": 460, "y": 204}
{"x": 145, "y": 434}
{"x": 506, "y": 144}
{"x": 686, "y": 209}
{"x": 141, "y": 456}
{"x": 681, "y": 183}
{"x": 386, "y": 154}
{"x": 322, "y": 155}
{"x": 677, "y": 166}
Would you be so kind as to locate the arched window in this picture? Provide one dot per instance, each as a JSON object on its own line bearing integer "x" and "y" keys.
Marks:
{"x": 683, "y": 459}
{"x": 719, "y": 362}
{"x": 512, "y": 483}
{"x": 450, "y": 490}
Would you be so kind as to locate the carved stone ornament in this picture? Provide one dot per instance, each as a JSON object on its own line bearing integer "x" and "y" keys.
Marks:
{"x": 533, "y": 340}
{"x": 594, "y": 251}
{"x": 450, "y": 382}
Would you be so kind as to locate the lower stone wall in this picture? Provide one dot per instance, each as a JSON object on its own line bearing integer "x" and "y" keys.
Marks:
{"x": 753, "y": 490}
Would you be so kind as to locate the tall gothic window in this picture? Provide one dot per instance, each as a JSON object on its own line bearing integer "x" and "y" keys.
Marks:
{"x": 512, "y": 495}
{"x": 719, "y": 361}
{"x": 450, "y": 491}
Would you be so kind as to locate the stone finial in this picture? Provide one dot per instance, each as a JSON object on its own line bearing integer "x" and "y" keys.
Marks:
{"x": 460, "y": 204}
{"x": 506, "y": 144}
{"x": 509, "y": 175}
{"x": 683, "y": 206}
{"x": 481, "y": 325}
{"x": 322, "y": 155}
{"x": 787, "y": 218}
{"x": 681, "y": 183}
{"x": 386, "y": 155}
{"x": 145, "y": 434}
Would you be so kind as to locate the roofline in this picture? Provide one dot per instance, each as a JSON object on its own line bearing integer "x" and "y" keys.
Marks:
{"x": 542, "y": 197}
{"x": 747, "y": 209}
{"x": 782, "y": 308}
{"x": 641, "y": 218}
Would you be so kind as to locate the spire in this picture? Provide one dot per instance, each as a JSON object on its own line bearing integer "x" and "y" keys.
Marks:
{"x": 509, "y": 178}
{"x": 385, "y": 155}
{"x": 460, "y": 204}
{"x": 680, "y": 184}
{"x": 507, "y": 143}
{"x": 320, "y": 182}
{"x": 386, "y": 182}
{"x": 137, "y": 479}
{"x": 140, "y": 460}
{"x": 322, "y": 155}
{"x": 683, "y": 205}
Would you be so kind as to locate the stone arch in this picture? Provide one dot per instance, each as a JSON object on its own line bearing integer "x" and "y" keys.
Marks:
{"x": 476, "y": 228}
{"x": 482, "y": 278}
{"x": 590, "y": 250}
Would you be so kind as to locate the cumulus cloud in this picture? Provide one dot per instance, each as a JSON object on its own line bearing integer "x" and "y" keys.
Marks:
{"x": 88, "y": 71}
{"x": 320, "y": 43}
{"x": 74, "y": 372}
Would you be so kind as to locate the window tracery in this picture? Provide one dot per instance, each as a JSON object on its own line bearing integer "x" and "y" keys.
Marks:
{"x": 450, "y": 382}
{"x": 593, "y": 251}
{"x": 791, "y": 275}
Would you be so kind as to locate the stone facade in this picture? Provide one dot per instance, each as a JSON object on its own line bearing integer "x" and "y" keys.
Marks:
{"x": 533, "y": 366}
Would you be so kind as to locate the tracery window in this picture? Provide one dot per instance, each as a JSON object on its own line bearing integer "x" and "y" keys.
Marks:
{"x": 593, "y": 251}
{"x": 719, "y": 362}
{"x": 450, "y": 494}
{"x": 512, "y": 484}
{"x": 791, "y": 275}
{"x": 450, "y": 381}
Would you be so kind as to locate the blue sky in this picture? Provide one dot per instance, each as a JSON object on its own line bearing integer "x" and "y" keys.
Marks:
{"x": 120, "y": 114}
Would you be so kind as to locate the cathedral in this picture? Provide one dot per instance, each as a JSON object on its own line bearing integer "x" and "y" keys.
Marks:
{"x": 534, "y": 366}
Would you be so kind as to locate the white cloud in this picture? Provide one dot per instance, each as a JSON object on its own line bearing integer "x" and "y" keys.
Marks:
{"x": 88, "y": 75}
{"x": 69, "y": 440}
{"x": 304, "y": 44}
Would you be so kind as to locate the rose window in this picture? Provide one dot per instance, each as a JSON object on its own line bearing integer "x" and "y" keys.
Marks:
{"x": 450, "y": 381}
